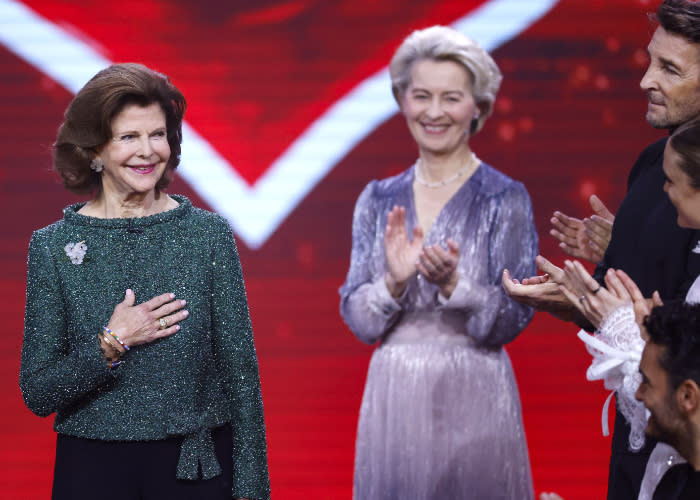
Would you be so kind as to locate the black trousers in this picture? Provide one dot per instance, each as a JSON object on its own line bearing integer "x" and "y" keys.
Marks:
{"x": 88, "y": 469}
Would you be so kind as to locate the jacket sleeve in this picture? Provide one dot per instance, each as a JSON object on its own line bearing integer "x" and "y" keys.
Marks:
{"x": 55, "y": 373}
{"x": 491, "y": 317}
{"x": 237, "y": 364}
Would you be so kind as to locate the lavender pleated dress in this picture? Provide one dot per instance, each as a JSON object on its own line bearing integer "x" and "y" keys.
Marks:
{"x": 440, "y": 416}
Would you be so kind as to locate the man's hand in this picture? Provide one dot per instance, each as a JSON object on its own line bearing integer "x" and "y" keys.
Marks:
{"x": 586, "y": 239}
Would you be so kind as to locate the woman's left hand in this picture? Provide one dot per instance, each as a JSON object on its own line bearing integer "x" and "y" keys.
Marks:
{"x": 592, "y": 300}
{"x": 438, "y": 265}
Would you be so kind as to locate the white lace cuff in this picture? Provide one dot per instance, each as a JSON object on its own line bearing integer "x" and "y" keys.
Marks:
{"x": 617, "y": 349}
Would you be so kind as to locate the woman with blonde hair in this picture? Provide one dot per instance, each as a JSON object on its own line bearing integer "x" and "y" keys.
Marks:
{"x": 440, "y": 416}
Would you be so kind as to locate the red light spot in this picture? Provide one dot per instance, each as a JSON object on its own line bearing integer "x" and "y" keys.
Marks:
{"x": 506, "y": 131}
{"x": 526, "y": 124}
{"x": 580, "y": 75}
{"x": 613, "y": 44}
{"x": 587, "y": 188}
{"x": 609, "y": 118}
{"x": 602, "y": 82}
{"x": 504, "y": 105}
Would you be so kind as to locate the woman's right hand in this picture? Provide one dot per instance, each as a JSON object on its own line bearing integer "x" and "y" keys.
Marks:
{"x": 401, "y": 252}
{"x": 140, "y": 324}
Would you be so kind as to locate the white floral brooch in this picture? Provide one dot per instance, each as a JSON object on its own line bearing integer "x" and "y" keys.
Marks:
{"x": 76, "y": 252}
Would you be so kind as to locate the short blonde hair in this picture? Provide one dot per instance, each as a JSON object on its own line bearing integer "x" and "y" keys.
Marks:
{"x": 440, "y": 43}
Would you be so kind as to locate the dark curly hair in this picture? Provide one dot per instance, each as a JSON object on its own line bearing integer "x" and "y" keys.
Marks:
{"x": 88, "y": 121}
{"x": 676, "y": 326}
{"x": 681, "y": 17}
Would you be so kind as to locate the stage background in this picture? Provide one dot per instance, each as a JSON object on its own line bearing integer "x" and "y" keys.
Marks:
{"x": 569, "y": 121}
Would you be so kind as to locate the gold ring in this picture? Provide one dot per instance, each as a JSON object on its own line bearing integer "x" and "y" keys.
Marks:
{"x": 163, "y": 323}
{"x": 582, "y": 298}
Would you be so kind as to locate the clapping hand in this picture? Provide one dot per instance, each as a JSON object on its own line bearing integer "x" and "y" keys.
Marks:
{"x": 438, "y": 265}
{"x": 401, "y": 252}
{"x": 596, "y": 302}
{"x": 586, "y": 239}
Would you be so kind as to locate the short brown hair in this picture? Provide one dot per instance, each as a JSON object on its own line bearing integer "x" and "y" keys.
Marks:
{"x": 681, "y": 17}
{"x": 88, "y": 121}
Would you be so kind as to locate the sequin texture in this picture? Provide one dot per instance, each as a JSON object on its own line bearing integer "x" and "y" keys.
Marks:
{"x": 203, "y": 376}
{"x": 440, "y": 415}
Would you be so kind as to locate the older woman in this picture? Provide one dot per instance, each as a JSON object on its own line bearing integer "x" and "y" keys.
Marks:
{"x": 440, "y": 416}
{"x": 137, "y": 333}
{"x": 617, "y": 310}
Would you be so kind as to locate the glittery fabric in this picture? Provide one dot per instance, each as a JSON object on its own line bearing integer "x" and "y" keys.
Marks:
{"x": 199, "y": 378}
{"x": 440, "y": 416}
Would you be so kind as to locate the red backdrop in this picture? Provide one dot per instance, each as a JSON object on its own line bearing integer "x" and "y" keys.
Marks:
{"x": 569, "y": 122}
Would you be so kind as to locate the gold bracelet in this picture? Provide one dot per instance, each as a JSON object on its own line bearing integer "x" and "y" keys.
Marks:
{"x": 107, "y": 355}
{"x": 112, "y": 343}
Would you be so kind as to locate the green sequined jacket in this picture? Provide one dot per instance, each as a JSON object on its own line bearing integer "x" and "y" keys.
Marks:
{"x": 201, "y": 377}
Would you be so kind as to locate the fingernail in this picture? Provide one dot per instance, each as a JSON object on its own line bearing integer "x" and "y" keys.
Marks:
{"x": 177, "y": 327}
{"x": 183, "y": 302}
{"x": 186, "y": 313}
{"x": 171, "y": 295}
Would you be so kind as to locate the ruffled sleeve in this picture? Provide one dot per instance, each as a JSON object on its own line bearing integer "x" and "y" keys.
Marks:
{"x": 617, "y": 350}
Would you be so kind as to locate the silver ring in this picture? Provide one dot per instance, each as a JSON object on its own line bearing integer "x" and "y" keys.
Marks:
{"x": 597, "y": 290}
{"x": 163, "y": 323}
{"x": 582, "y": 298}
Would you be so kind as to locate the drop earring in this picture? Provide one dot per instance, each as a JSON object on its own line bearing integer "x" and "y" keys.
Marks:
{"x": 474, "y": 125}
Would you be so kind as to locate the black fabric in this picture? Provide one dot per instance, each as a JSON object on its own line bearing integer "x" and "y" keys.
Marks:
{"x": 89, "y": 469}
{"x": 656, "y": 253}
{"x": 681, "y": 482}
{"x": 647, "y": 242}
{"x": 692, "y": 487}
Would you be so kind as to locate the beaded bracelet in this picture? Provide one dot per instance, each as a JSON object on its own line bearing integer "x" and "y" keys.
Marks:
{"x": 126, "y": 347}
{"x": 114, "y": 364}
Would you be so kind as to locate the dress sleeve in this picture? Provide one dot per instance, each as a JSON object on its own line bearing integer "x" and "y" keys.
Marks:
{"x": 237, "y": 365}
{"x": 492, "y": 318}
{"x": 366, "y": 305}
{"x": 55, "y": 373}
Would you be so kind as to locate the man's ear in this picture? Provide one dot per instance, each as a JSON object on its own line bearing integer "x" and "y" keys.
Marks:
{"x": 688, "y": 397}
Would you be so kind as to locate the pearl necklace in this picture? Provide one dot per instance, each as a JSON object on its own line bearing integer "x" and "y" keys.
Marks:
{"x": 433, "y": 185}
